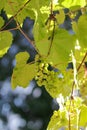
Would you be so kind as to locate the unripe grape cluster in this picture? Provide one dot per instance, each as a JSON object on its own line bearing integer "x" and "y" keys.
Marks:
{"x": 51, "y": 78}
{"x": 46, "y": 76}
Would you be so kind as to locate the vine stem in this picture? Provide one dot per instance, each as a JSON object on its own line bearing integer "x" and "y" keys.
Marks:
{"x": 51, "y": 10}
{"x": 82, "y": 62}
{"x": 10, "y": 29}
{"x": 52, "y": 37}
{"x": 52, "y": 17}
{"x": 32, "y": 42}
{"x": 15, "y": 15}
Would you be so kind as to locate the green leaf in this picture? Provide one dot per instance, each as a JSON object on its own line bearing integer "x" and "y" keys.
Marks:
{"x": 2, "y": 4}
{"x": 22, "y": 58}
{"x": 40, "y": 30}
{"x": 61, "y": 48}
{"x": 82, "y": 27}
{"x": 60, "y": 17}
{"x": 58, "y": 120}
{"x": 83, "y": 117}
{"x": 1, "y": 22}
{"x": 5, "y": 42}
{"x": 23, "y": 73}
{"x": 40, "y": 34}
{"x": 71, "y": 3}
{"x": 38, "y": 4}
{"x": 59, "y": 84}
{"x": 11, "y": 7}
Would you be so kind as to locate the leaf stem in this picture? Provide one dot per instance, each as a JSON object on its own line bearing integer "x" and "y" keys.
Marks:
{"x": 69, "y": 121}
{"x": 82, "y": 62}
{"x": 52, "y": 37}
{"x": 51, "y": 10}
{"x": 10, "y": 29}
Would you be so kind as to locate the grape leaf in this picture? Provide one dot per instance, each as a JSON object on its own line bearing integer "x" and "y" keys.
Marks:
{"x": 23, "y": 73}
{"x": 2, "y": 4}
{"x": 82, "y": 27}
{"x": 70, "y": 3}
{"x": 83, "y": 117}
{"x": 40, "y": 34}
{"x": 59, "y": 85}
{"x": 1, "y": 22}
{"x": 11, "y": 7}
{"x": 38, "y": 4}
{"x": 60, "y": 17}
{"x": 62, "y": 45}
{"x": 58, "y": 120}
{"x": 5, "y": 42}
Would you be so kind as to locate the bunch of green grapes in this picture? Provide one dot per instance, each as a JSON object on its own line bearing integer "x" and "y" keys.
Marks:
{"x": 43, "y": 73}
{"x": 46, "y": 76}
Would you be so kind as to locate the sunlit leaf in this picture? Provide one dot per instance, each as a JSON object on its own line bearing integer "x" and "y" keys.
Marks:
{"x": 62, "y": 45}
{"x": 60, "y": 17}
{"x": 70, "y": 3}
{"x": 58, "y": 120}
{"x": 5, "y": 42}
{"x": 83, "y": 117}
{"x": 23, "y": 73}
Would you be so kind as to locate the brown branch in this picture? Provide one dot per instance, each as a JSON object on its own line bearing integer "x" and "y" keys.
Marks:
{"x": 15, "y": 14}
{"x": 9, "y": 29}
{"x": 82, "y": 62}
{"x": 69, "y": 121}
{"x": 32, "y": 42}
{"x": 51, "y": 10}
{"x": 29, "y": 40}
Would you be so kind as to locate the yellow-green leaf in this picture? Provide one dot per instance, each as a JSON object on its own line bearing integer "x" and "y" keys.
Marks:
{"x": 5, "y": 42}
{"x": 23, "y": 73}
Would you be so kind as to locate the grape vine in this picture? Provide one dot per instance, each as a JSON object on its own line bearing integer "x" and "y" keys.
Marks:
{"x": 59, "y": 31}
